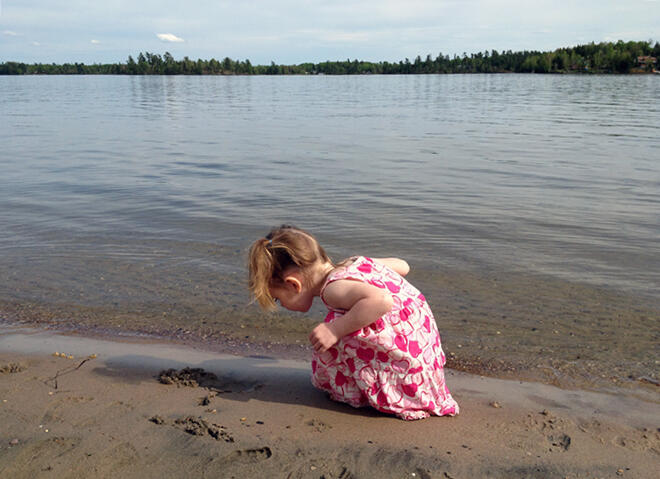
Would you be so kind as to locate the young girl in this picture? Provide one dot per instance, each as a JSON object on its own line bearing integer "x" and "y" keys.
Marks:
{"x": 379, "y": 344}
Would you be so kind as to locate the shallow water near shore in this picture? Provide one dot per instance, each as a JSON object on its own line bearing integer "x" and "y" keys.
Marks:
{"x": 527, "y": 207}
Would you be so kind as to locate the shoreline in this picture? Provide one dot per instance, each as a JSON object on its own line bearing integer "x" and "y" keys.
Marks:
{"x": 110, "y": 414}
{"x": 460, "y": 357}
{"x": 169, "y": 352}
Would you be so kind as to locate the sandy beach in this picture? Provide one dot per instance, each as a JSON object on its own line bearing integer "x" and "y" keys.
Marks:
{"x": 130, "y": 408}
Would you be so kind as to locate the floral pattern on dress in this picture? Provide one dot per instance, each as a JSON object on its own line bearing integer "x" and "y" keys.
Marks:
{"x": 394, "y": 364}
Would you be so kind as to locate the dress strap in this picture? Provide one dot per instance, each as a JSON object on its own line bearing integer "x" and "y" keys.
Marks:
{"x": 343, "y": 272}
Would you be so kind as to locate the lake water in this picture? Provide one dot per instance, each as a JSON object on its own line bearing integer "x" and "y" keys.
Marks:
{"x": 526, "y": 204}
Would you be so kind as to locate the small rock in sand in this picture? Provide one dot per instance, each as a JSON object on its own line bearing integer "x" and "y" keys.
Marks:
{"x": 13, "y": 442}
{"x": 495, "y": 404}
{"x": 157, "y": 419}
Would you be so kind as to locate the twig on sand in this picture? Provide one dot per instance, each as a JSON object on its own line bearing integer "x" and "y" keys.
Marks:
{"x": 53, "y": 381}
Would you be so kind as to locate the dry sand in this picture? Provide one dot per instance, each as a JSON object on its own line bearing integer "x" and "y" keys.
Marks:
{"x": 254, "y": 417}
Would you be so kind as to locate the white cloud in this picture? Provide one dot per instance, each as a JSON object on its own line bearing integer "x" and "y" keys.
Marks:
{"x": 95, "y": 42}
{"x": 10, "y": 33}
{"x": 36, "y": 44}
{"x": 169, "y": 37}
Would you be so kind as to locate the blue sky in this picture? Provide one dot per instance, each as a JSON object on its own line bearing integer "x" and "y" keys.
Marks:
{"x": 288, "y": 32}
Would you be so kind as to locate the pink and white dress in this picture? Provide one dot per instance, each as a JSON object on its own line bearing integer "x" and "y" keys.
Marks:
{"x": 395, "y": 364}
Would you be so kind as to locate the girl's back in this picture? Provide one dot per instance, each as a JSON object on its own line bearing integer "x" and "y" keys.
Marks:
{"x": 394, "y": 364}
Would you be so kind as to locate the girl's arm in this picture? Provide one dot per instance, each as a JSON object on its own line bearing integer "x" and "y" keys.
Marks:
{"x": 364, "y": 304}
{"x": 397, "y": 264}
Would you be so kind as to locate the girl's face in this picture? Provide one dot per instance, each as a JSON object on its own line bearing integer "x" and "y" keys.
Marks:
{"x": 292, "y": 294}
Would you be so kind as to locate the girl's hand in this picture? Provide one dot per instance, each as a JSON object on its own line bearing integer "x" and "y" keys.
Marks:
{"x": 323, "y": 337}
{"x": 363, "y": 303}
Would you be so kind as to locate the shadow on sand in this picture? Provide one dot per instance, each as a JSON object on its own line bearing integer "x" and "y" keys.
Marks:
{"x": 235, "y": 378}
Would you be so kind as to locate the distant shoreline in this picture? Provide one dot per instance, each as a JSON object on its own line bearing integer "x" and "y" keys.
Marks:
{"x": 632, "y": 73}
{"x": 633, "y": 57}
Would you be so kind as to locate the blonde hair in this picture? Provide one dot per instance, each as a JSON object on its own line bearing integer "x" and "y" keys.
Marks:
{"x": 268, "y": 259}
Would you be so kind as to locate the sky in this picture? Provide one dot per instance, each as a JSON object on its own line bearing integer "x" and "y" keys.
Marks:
{"x": 292, "y": 32}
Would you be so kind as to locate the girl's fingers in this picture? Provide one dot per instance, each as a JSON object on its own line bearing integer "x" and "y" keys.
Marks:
{"x": 315, "y": 337}
{"x": 318, "y": 345}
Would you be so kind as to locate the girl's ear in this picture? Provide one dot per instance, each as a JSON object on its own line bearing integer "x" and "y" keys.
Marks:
{"x": 292, "y": 281}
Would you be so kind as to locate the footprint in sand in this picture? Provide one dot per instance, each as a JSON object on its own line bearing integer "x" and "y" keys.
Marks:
{"x": 636, "y": 440}
{"x": 197, "y": 427}
{"x": 343, "y": 474}
{"x": 546, "y": 422}
{"x": 249, "y": 456}
{"x": 627, "y": 437}
{"x": 12, "y": 368}
{"x": 560, "y": 442}
{"x": 320, "y": 426}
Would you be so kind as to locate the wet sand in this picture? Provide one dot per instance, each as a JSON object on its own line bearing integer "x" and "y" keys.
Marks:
{"x": 260, "y": 417}
{"x": 507, "y": 325}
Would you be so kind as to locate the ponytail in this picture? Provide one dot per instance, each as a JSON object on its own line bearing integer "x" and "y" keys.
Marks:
{"x": 261, "y": 267}
{"x": 269, "y": 258}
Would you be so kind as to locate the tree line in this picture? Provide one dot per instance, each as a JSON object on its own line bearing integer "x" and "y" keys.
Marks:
{"x": 605, "y": 57}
